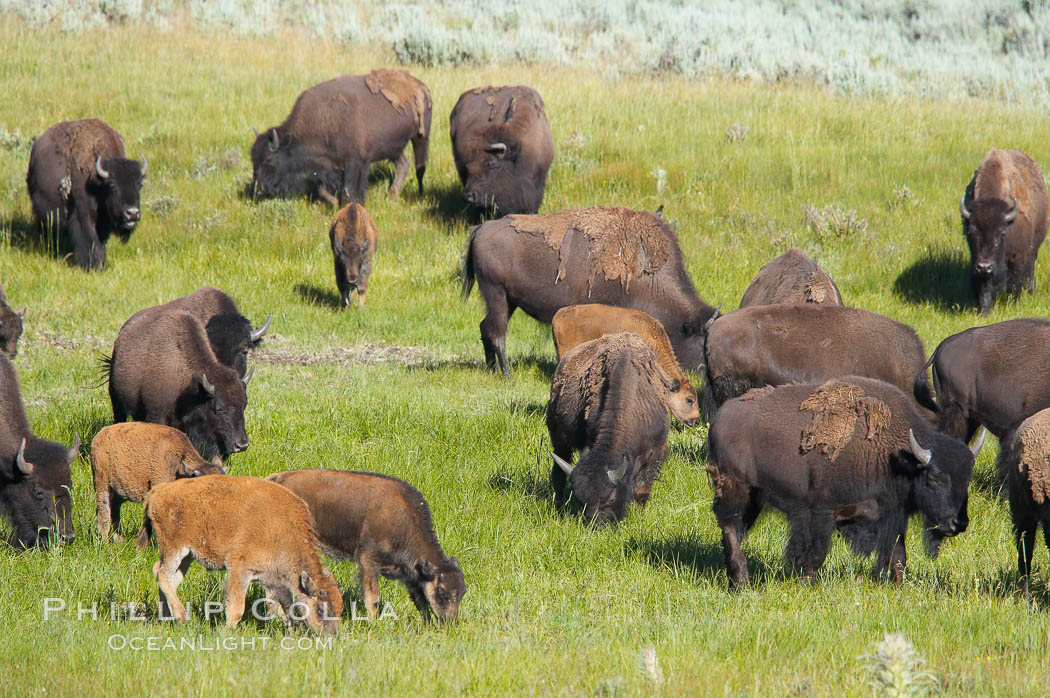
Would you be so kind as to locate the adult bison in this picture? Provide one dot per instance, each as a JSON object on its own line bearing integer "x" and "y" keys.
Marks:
{"x": 997, "y": 375}
{"x": 791, "y": 278}
{"x": 10, "y": 326}
{"x": 851, "y": 453}
{"x": 170, "y": 375}
{"x": 606, "y": 254}
{"x": 777, "y": 344}
{"x": 502, "y": 146}
{"x": 35, "y": 482}
{"x": 337, "y": 129}
{"x": 81, "y": 184}
{"x": 1004, "y": 216}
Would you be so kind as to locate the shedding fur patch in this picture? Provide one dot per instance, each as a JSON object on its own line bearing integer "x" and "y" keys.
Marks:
{"x": 756, "y": 392}
{"x": 1008, "y": 173}
{"x": 1034, "y": 440}
{"x": 816, "y": 291}
{"x": 404, "y": 92}
{"x": 623, "y": 244}
{"x": 836, "y": 407}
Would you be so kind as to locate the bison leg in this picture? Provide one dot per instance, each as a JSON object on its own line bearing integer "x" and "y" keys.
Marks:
{"x": 88, "y": 251}
{"x": 415, "y": 592}
{"x": 369, "y": 585}
{"x": 355, "y": 183}
{"x": 420, "y": 149}
{"x": 237, "y": 581}
{"x": 115, "y": 502}
{"x": 1025, "y": 525}
{"x": 892, "y": 556}
{"x": 810, "y": 539}
{"x": 400, "y": 172}
{"x": 102, "y": 510}
{"x": 170, "y": 571}
{"x": 648, "y": 472}
{"x": 731, "y": 507}
{"x": 494, "y": 326}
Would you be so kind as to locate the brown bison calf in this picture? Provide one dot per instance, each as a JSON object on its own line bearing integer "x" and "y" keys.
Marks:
{"x": 353, "y": 236}
{"x": 254, "y": 529}
{"x": 131, "y": 458}
{"x": 577, "y": 324}
{"x": 1024, "y": 462}
{"x": 383, "y": 524}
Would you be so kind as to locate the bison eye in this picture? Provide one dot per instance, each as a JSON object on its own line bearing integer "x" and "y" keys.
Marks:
{"x": 38, "y": 493}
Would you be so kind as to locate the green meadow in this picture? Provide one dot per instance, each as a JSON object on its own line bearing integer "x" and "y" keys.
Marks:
{"x": 867, "y": 185}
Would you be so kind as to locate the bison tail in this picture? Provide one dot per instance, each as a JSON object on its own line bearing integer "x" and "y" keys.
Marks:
{"x": 921, "y": 387}
{"x": 142, "y": 541}
{"x": 105, "y": 368}
{"x": 468, "y": 276}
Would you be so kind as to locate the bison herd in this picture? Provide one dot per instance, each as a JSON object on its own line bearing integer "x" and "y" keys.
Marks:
{"x": 820, "y": 410}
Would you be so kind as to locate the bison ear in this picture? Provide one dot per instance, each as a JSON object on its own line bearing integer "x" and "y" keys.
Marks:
{"x": 206, "y": 385}
{"x": 676, "y": 385}
{"x": 305, "y": 584}
{"x": 426, "y": 572}
{"x": 22, "y": 312}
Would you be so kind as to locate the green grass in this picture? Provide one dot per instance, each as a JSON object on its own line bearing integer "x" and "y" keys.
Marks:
{"x": 553, "y": 607}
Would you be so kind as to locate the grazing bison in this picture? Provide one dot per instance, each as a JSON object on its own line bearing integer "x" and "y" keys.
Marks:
{"x": 1024, "y": 462}
{"x": 130, "y": 458}
{"x": 610, "y": 255}
{"x": 791, "y": 278}
{"x": 776, "y": 344}
{"x": 609, "y": 401}
{"x": 851, "y": 453}
{"x": 230, "y": 333}
{"x": 353, "y": 236}
{"x": 577, "y": 324}
{"x": 1004, "y": 216}
{"x": 35, "y": 482}
{"x": 383, "y": 524}
{"x": 996, "y": 375}
{"x": 254, "y": 529}
{"x": 502, "y": 146}
{"x": 171, "y": 376}
{"x": 10, "y": 326}
{"x": 81, "y": 184}
{"x": 337, "y": 129}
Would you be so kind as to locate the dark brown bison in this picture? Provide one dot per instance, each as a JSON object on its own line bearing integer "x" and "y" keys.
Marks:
{"x": 996, "y": 375}
{"x": 337, "y": 129}
{"x": 851, "y": 453}
{"x": 231, "y": 334}
{"x": 10, "y": 326}
{"x": 777, "y": 344}
{"x": 353, "y": 236}
{"x": 609, "y": 401}
{"x": 81, "y": 184}
{"x": 502, "y": 146}
{"x": 170, "y": 375}
{"x": 383, "y": 524}
{"x": 1004, "y": 215}
{"x": 610, "y": 255}
{"x": 791, "y": 278}
{"x": 35, "y": 482}
{"x": 1024, "y": 463}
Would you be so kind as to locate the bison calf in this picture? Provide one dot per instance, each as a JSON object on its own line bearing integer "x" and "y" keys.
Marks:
{"x": 1024, "y": 462}
{"x": 383, "y": 524}
{"x": 131, "y": 458}
{"x": 353, "y": 237}
{"x": 257, "y": 531}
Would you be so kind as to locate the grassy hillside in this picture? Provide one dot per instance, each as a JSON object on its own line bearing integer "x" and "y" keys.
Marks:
{"x": 868, "y": 186}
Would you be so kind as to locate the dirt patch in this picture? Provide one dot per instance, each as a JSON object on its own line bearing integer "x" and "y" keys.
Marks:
{"x": 407, "y": 356}
{"x": 1034, "y": 439}
{"x": 622, "y": 243}
{"x": 836, "y": 407}
{"x": 404, "y": 92}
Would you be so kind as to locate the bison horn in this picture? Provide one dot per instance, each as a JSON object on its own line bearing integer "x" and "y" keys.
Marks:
{"x": 962, "y": 208}
{"x": 1012, "y": 213}
{"x": 256, "y": 131}
{"x": 145, "y": 166}
{"x": 248, "y": 376}
{"x": 659, "y": 213}
{"x": 261, "y": 332}
{"x": 561, "y": 463}
{"x": 617, "y": 475}
{"x": 923, "y": 455}
{"x": 74, "y": 451}
{"x": 22, "y": 312}
{"x": 25, "y": 466}
{"x": 275, "y": 140}
{"x": 714, "y": 316}
{"x": 497, "y": 149}
{"x": 976, "y": 447}
{"x": 98, "y": 168}
{"x": 206, "y": 384}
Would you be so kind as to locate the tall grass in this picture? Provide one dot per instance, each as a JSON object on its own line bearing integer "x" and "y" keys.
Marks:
{"x": 553, "y": 607}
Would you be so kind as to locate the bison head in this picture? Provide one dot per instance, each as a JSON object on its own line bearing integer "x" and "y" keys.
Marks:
{"x": 942, "y": 480}
{"x": 683, "y": 403}
{"x": 443, "y": 587}
{"x": 35, "y": 490}
{"x": 986, "y": 224}
{"x": 281, "y": 168}
{"x": 213, "y": 413}
{"x": 117, "y": 182}
{"x": 10, "y": 329}
{"x": 322, "y": 600}
{"x": 231, "y": 337}
{"x": 500, "y": 179}
{"x": 603, "y": 492}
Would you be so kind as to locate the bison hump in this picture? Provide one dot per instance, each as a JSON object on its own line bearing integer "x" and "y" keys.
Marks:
{"x": 836, "y": 408}
{"x": 404, "y": 92}
{"x": 1006, "y": 174}
{"x": 622, "y": 244}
